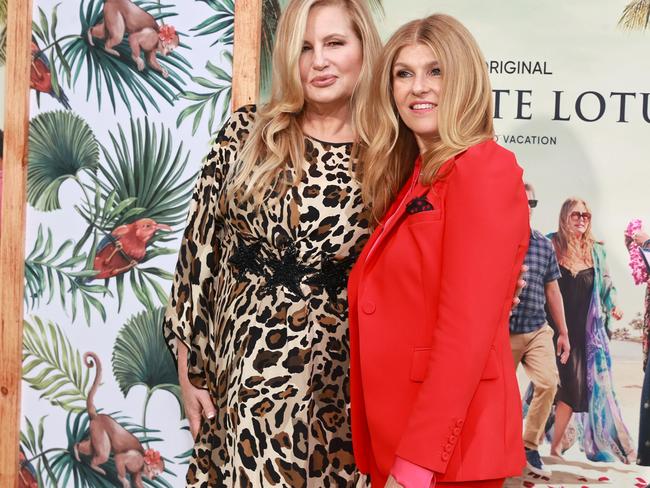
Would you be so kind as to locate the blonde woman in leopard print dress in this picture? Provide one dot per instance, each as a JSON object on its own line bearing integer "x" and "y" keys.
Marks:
{"x": 258, "y": 311}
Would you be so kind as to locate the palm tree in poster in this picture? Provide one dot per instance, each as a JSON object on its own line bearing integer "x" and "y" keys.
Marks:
{"x": 636, "y": 15}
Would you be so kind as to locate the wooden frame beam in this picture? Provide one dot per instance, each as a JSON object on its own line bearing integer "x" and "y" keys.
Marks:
{"x": 12, "y": 232}
{"x": 246, "y": 55}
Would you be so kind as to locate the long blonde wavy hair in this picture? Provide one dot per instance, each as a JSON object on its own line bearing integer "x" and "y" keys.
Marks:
{"x": 276, "y": 141}
{"x": 568, "y": 247}
{"x": 464, "y": 110}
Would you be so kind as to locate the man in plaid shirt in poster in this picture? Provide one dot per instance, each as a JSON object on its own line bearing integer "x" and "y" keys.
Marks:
{"x": 531, "y": 337}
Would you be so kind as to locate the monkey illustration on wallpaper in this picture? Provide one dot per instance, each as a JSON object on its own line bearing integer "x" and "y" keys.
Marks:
{"x": 106, "y": 436}
{"x": 125, "y": 17}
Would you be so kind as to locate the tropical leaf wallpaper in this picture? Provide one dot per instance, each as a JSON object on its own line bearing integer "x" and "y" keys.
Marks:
{"x": 117, "y": 136}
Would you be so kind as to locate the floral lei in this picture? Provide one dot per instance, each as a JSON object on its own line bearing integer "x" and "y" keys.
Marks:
{"x": 637, "y": 264}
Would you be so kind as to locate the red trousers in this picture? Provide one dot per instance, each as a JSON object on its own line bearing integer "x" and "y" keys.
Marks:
{"x": 497, "y": 483}
{"x": 473, "y": 484}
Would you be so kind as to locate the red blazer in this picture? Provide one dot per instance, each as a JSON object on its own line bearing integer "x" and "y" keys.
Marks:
{"x": 432, "y": 376}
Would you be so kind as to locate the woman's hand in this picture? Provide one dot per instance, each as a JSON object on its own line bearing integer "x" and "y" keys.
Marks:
{"x": 617, "y": 314}
{"x": 563, "y": 347}
{"x": 640, "y": 237}
{"x": 197, "y": 402}
{"x": 392, "y": 483}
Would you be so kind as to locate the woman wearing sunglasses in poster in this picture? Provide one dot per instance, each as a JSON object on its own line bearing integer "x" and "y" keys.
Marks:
{"x": 586, "y": 388}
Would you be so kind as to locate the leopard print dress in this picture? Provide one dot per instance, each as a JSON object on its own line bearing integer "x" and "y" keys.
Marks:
{"x": 260, "y": 300}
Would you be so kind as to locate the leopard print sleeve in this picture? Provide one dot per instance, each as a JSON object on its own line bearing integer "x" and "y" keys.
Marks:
{"x": 189, "y": 309}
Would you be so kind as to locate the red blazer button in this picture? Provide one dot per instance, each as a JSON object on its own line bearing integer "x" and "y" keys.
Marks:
{"x": 459, "y": 423}
{"x": 368, "y": 308}
{"x": 445, "y": 456}
{"x": 452, "y": 438}
{"x": 448, "y": 448}
{"x": 456, "y": 431}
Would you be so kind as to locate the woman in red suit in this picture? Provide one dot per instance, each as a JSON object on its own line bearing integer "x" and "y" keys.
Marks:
{"x": 434, "y": 392}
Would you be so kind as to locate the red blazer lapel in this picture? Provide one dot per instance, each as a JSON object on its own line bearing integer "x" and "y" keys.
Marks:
{"x": 394, "y": 214}
{"x": 397, "y": 210}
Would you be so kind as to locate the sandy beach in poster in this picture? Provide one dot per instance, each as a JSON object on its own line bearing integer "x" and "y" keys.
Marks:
{"x": 577, "y": 471}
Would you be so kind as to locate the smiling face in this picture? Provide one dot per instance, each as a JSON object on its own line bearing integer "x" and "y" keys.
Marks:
{"x": 417, "y": 84}
{"x": 331, "y": 57}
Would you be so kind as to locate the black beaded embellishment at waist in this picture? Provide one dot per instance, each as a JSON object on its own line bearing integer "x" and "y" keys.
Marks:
{"x": 285, "y": 270}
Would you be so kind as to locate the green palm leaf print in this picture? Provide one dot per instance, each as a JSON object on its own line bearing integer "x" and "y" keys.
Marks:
{"x": 53, "y": 367}
{"x": 148, "y": 167}
{"x": 219, "y": 88}
{"x": 31, "y": 444}
{"x": 222, "y": 23}
{"x": 46, "y": 270}
{"x": 61, "y": 146}
{"x": 3, "y": 44}
{"x": 3, "y": 11}
{"x": 141, "y": 357}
